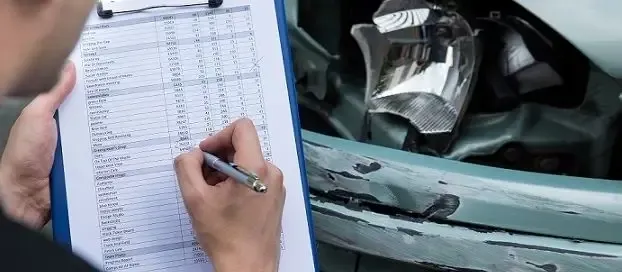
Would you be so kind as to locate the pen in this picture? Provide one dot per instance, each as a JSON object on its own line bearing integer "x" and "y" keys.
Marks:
{"x": 235, "y": 172}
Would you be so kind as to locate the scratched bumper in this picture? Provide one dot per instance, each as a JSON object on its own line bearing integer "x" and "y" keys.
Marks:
{"x": 452, "y": 215}
{"x": 456, "y": 248}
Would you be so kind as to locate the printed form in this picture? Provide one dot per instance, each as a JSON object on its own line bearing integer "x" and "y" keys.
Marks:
{"x": 150, "y": 86}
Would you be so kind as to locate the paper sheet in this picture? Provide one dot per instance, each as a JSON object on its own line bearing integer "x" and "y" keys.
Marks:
{"x": 150, "y": 86}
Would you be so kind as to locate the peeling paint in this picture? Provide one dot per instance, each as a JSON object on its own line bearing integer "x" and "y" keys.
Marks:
{"x": 442, "y": 207}
{"x": 545, "y": 267}
{"x": 409, "y": 231}
{"x": 346, "y": 174}
{"x": 346, "y": 194}
{"x": 366, "y": 169}
{"x": 329, "y": 212}
{"x": 482, "y": 230}
{"x": 434, "y": 189}
{"x": 570, "y": 212}
{"x": 453, "y": 248}
{"x": 453, "y": 269}
{"x": 544, "y": 248}
{"x": 315, "y": 144}
{"x": 448, "y": 218}
{"x": 331, "y": 177}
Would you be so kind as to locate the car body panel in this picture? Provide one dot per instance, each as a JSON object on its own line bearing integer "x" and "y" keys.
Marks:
{"x": 452, "y": 248}
{"x": 437, "y": 196}
{"x": 451, "y": 192}
{"x": 454, "y": 216}
{"x": 593, "y": 26}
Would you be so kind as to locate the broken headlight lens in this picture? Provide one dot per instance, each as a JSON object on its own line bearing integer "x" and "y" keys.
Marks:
{"x": 420, "y": 62}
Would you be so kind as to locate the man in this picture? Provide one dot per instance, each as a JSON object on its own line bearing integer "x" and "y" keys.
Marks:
{"x": 238, "y": 230}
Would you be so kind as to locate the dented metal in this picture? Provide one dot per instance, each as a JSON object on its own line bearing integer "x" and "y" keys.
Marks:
{"x": 454, "y": 248}
{"x": 449, "y": 215}
{"x": 421, "y": 209}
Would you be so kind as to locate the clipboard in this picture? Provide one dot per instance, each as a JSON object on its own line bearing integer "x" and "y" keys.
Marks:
{"x": 59, "y": 206}
{"x": 107, "y": 13}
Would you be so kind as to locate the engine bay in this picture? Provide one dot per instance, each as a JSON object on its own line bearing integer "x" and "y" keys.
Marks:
{"x": 526, "y": 99}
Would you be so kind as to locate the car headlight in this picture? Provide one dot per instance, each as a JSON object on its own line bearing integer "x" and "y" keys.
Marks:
{"x": 420, "y": 62}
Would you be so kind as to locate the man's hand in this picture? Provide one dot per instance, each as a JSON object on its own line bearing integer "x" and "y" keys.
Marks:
{"x": 238, "y": 228}
{"x": 29, "y": 154}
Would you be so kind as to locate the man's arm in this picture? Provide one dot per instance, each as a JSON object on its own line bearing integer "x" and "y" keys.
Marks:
{"x": 24, "y": 250}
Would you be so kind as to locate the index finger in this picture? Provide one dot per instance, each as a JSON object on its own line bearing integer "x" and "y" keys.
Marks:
{"x": 239, "y": 140}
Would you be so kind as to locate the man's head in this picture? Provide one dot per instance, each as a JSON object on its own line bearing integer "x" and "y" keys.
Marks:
{"x": 37, "y": 38}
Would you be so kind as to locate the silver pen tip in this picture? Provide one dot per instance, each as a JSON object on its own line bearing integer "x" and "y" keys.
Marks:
{"x": 260, "y": 188}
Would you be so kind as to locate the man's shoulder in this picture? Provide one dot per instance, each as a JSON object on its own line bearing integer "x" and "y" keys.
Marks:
{"x": 26, "y": 250}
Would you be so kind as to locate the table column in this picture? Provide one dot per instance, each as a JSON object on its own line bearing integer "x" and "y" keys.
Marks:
{"x": 130, "y": 147}
{"x": 174, "y": 85}
{"x": 199, "y": 108}
{"x": 231, "y": 67}
{"x": 229, "y": 59}
{"x": 194, "y": 85}
{"x": 249, "y": 63}
{"x": 216, "y": 79}
{"x": 254, "y": 105}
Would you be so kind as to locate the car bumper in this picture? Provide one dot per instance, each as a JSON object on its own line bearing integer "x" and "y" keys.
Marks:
{"x": 370, "y": 200}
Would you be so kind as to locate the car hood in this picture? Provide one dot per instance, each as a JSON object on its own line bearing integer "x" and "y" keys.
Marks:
{"x": 591, "y": 26}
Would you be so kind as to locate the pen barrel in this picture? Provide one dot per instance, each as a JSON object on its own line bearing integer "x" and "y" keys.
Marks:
{"x": 210, "y": 159}
{"x": 228, "y": 170}
{"x": 233, "y": 173}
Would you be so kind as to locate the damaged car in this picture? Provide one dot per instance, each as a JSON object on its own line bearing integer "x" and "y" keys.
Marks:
{"x": 462, "y": 135}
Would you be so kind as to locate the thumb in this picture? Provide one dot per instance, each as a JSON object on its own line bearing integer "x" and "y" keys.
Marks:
{"x": 51, "y": 100}
{"x": 192, "y": 184}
